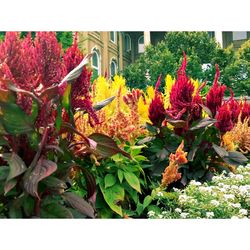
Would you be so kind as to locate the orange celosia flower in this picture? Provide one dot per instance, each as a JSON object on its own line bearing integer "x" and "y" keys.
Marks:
{"x": 171, "y": 172}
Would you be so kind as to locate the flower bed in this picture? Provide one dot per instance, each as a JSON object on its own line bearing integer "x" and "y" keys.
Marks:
{"x": 226, "y": 196}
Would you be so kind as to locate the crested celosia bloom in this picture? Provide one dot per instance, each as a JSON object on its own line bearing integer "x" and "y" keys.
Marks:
{"x": 245, "y": 110}
{"x": 182, "y": 91}
{"x": 156, "y": 110}
{"x": 216, "y": 93}
{"x": 224, "y": 118}
{"x": 171, "y": 172}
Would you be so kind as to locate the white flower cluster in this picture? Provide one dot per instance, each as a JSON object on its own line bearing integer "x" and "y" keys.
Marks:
{"x": 226, "y": 196}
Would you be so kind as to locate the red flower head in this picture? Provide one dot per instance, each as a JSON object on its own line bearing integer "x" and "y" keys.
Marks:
{"x": 132, "y": 97}
{"x": 156, "y": 110}
{"x": 215, "y": 94}
{"x": 181, "y": 95}
{"x": 80, "y": 96}
{"x": 245, "y": 110}
{"x": 224, "y": 118}
{"x": 48, "y": 52}
{"x": 234, "y": 107}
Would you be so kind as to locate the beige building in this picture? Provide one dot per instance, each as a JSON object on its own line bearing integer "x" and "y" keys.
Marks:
{"x": 113, "y": 51}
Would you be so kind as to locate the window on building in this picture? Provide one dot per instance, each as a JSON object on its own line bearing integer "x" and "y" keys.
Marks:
{"x": 127, "y": 43}
{"x": 113, "y": 68}
{"x": 96, "y": 65}
{"x": 239, "y": 35}
{"x": 141, "y": 46}
{"x": 112, "y": 36}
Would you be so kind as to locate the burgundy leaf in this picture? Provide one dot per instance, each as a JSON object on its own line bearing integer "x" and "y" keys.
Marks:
{"x": 42, "y": 169}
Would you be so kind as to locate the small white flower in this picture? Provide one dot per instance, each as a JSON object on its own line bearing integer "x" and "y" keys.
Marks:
{"x": 195, "y": 183}
{"x": 216, "y": 178}
{"x": 236, "y": 205}
{"x": 234, "y": 217}
{"x": 215, "y": 203}
{"x": 239, "y": 177}
{"x": 160, "y": 216}
{"x": 229, "y": 196}
{"x": 223, "y": 190}
{"x": 178, "y": 210}
{"x": 209, "y": 215}
{"x": 176, "y": 189}
{"x": 184, "y": 215}
{"x": 231, "y": 175}
{"x": 151, "y": 213}
{"x": 164, "y": 213}
{"x": 243, "y": 212}
{"x": 160, "y": 194}
{"x": 183, "y": 198}
{"x": 234, "y": 187}
{"x": 221, "y": 184}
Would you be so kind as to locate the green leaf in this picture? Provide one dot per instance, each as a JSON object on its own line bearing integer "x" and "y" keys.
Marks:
{"x": 59, "y": 117}
{"x": 113, "y": 195}
{"x": 43, "y": 169}
{"x": 4, "y": 172}
{"x": 146, "y": 140}
{"x": 133, "y": 181}
{"x": 17, "y": 165}
{"x": 177, "y": 123}
{"x": 106, "y": 146}
{"x": 139, "y": 208}
{"x": 207, "y": 110}
{"x": 54, "y": 183}
{"x": 28, "y": 206}
{"x": 14, "y": 120}
{"x": 80, "y": 204}
{"x": 135, "y": 150}
{"x": 120, "y": 175}
{"x": 66, "y": 98}
{"x": 203, "y": 123}
{"x": 235, "y": 158}
{"x": 15, "y": 212}
{"x": 152, "y": 129}
{"x": 147, "y": 200}
{"x": 220, "y": 151}
{"x": 140, "y": 158}
{"x": 103, "y": 103}
{"x": 34, "y": 111}
{"x": 55, "y": 210}
{"x": 109, "y": 180}
{"x": 9, "y": 185}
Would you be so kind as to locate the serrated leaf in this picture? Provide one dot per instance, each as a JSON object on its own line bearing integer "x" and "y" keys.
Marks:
{"x": 106, "y": 146}
{"x": 147, "y": 200}
{"x": 43, "y": 169}
{"x": 120, "y": 175}
{"x": 109, "y": 180}
{"x": 80, "y": 204}
{"x": 55, "y": 210}
{"x": 16, "y": 164}
{"x": 203, "y": 123}
{"x": 113, "y": 195}
{"x": 133, "y": 181}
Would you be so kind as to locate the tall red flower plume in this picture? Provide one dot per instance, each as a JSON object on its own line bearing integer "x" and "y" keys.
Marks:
{"x": 234, "y": 107}
{"x": 245, "y": 110}
{"x": 216, "y": 93}
{"x": 224, "y": 118}
{"x": 156, "y": 110}
{"x": 48, "y": 54}
{"x": 182, "y": 90}
{"x": 80, "y": 95}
